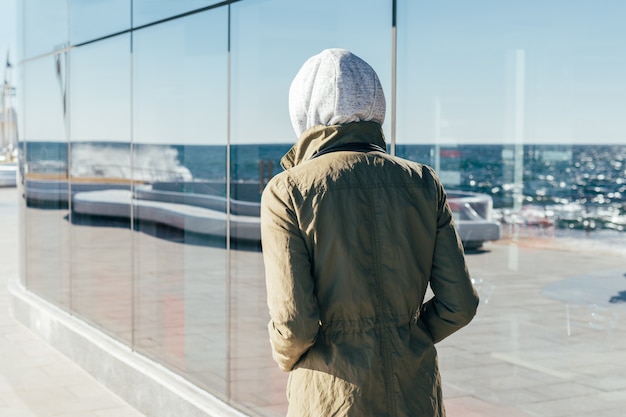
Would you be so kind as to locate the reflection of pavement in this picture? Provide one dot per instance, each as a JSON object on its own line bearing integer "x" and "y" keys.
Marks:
{"x": 529, "y": 354}
{"x": 600, "y": 288}
{"x": 524, "y": 355}
{"x": 591, "y": 300}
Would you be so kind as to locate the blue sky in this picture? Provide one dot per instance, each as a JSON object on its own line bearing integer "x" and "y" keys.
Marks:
{"x": 463, "y": 55}
{"x": 456, "y": 75}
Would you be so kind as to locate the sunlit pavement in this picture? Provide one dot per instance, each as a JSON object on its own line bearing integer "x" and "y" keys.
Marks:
{"x": 548, "y": 339}
{"x": 536, "y": 348}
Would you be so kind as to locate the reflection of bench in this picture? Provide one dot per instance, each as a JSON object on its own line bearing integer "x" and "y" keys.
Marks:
{"x": 203, "y": 197}
{"x": 200, "y": 206}
{"x": 117, "y": 203}
{"x": 54, "y": 192}
{"x": 472, "y": 216}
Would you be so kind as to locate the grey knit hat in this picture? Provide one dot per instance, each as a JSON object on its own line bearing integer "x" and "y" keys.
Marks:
{"x": 335, "y": 87}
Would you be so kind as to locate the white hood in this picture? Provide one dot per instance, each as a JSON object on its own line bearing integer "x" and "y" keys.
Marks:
{"x": 335, "y": 87}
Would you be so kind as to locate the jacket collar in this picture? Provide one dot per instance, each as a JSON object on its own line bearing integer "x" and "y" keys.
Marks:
{"x": 321, "y": 137}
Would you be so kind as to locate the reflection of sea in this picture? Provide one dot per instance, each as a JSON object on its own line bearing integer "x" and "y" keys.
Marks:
{"x": 580, "y": 189}
{"x": 597, "y": 241}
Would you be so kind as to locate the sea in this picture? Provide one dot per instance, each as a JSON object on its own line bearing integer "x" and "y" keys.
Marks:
{"x": 580, "y": 190}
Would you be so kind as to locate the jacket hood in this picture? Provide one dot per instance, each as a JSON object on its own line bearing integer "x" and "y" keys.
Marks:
{"x": 335, "y": 87}
{"x": 320, "y": 137}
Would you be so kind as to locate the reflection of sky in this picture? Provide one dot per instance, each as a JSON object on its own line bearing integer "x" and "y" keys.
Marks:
{"x": 8, "y": 35}
{"x": 463, "y": 54}
{"x": 457, "y": 56}
{"x": 270, "y": 43}
{"x": 180, "y": 81}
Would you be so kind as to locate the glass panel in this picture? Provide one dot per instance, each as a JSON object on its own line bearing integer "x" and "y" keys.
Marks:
{"x": 180, "y": 135}
{"x": 91, "y": 19}
{"x": 17, "y": 49}
{"x": 148, "y": 11}
{"x": 21, "y": 221}
{"x": 45, "y": 26}
{"x": 264, "y": 62}
{"x": 44, "y": 166}
{"x": 100, "y": 185}
{"x": 8, "y": 124}
{"x": 520, "y": 112}
{"x": 20, "y": 178}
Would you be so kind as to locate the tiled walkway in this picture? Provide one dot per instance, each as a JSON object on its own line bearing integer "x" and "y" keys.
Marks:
{"x": 548, "y": 340}
{"x": 35, "y": 380}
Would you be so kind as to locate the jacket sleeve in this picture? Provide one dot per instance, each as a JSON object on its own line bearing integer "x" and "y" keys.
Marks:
{"x": 294, "y": 315}
{"x": 455, "y": 300}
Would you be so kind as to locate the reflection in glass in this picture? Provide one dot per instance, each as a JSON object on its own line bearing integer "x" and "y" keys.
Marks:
{"x": 100, "y": 88}
{"x": 22, "y": 219}
{"x": 45, "y": 26}
{"x": 44, "y": 178}
{"x": 100, "y": 172}
{"x": 93, "y": 19}
{"x": 179, "y": 210}
{"x": 148, "y": 11}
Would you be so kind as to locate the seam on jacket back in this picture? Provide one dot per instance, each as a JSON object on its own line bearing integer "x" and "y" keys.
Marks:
{"x": 381, "y": 310}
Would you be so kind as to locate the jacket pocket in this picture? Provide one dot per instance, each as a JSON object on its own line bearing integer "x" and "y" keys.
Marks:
{"x": 421, "y": 328}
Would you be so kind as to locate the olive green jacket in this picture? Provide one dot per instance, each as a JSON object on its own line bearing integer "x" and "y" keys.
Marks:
{"x": 351, "y": 241}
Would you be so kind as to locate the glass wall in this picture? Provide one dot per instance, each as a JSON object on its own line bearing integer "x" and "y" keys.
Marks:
{"x": 44, "y": 26}
{"x": 100, "y": 181}
{"x": 180, "y": 97}
{"x": 91, "y": 20}
{"x": 150, "y": 11}
{"x": 44, "y": 176}
{"x": 149, "y": 130}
